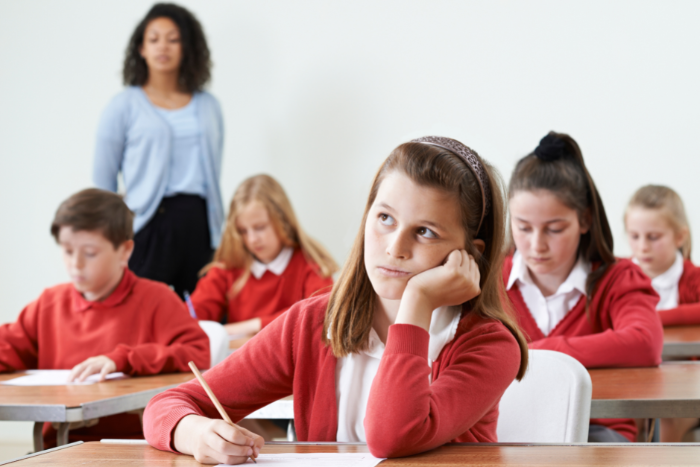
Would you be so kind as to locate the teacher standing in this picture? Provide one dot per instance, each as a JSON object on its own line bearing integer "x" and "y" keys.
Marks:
{"x": 164, "y": 133}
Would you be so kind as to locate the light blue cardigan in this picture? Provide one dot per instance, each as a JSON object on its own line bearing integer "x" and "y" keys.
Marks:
{"x": 134, "y": 139}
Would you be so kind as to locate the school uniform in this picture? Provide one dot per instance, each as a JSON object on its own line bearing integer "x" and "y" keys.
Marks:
{"x": 269, "y": 291}
{"x": 679, "y": 289}
{"x": 625, "y": 331}
{"x": 413, "y": 404}
{"x": 142, "y": 326}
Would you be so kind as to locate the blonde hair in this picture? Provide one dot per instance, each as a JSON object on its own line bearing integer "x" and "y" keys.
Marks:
{"x": 352, "y": 301}
{"x": 669, "y": 204}
{"x": 232, "y": 253}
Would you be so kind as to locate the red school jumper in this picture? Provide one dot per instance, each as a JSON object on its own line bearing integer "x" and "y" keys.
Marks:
{"x": 265, "y": 298}
{"x": 406, "y": 414}
{"x": 142, "y": 326}
{"x": 688, "y": 310}
{"x": 627, "y": 331}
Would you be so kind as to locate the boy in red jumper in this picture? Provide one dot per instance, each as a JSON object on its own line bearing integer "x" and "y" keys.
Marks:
{"x": 106, "y": 319}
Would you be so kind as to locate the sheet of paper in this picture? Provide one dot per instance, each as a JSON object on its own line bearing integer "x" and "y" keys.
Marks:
{"x": 316, "y": 460}
{"x": 54, "y": 378}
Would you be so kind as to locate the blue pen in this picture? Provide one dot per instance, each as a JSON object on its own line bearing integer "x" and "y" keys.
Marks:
{"x": 190, "y": 306}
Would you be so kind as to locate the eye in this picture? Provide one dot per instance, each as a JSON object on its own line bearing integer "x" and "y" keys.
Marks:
{"x": 386, "y": 219}
{"x": 556, "y": 231}
{"x": 426, "y": 232}
{"x": 524, "y": 228}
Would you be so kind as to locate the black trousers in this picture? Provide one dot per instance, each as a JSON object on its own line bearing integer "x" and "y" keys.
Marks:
{"x": 175, "y": 244}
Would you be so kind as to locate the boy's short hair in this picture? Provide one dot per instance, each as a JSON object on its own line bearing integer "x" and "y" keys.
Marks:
{"x": 94, "y": 209}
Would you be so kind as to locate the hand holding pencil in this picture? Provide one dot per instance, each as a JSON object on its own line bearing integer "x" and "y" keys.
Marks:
{"x": 213, "y": 441}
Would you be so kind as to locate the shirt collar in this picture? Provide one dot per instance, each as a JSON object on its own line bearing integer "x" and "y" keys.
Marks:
{"x": 119, "y": 294}
{"x": 672, "y": 276}
{"x": 443, "y": 327}
{"x": 276, "y": 266}
{"x": 575, "y": 281}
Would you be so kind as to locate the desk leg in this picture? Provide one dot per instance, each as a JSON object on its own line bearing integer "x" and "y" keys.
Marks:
{"x": 38, "y": 436}
{"x": 291, "y": 432}
{"x": 62, "y": 435}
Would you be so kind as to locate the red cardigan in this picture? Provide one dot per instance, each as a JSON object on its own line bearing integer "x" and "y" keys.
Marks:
{"x": 688, "y": 309}
{"x": 627, "y": 331}
{"x": 265, "y": 298}
{"x": 406, "y": 414}
{"x": 143, "y": 326}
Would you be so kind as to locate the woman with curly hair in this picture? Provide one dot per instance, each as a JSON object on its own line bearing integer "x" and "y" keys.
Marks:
{"x": 164, "y": 133}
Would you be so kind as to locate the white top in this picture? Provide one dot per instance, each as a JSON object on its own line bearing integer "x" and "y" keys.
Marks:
{"x": 354, "y": 373}
{"x": 549, "y": 311}
{"x": 186, "y": 171}
{"x": 666, "y": 284}
{"x": 276, "y": 266}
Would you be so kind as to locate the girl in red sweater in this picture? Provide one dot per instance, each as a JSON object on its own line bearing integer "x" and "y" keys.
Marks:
{"x": 264, "y": 264}
{"x": 659, "y": 235}
{"x": 411, "y": 349}
{"x": 569, "y": 292}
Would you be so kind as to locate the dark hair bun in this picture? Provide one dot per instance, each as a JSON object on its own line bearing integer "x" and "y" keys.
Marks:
{"x": 553, "y": 148}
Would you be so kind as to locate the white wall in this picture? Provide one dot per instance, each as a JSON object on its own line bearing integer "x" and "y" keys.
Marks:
{"x": 317, "y": 93}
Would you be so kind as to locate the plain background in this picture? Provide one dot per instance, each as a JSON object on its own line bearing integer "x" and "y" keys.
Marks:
{"x": 318, "y": 93}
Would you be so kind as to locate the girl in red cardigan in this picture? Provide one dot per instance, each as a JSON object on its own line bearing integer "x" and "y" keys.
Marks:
{"x": 659, "y": 235}
{"x": 411, "y": 349}
{"x": 265, "y": 263}
{"x": 569, "y": 292}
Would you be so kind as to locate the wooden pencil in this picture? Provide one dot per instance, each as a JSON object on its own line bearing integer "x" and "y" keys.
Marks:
{"x": 213, "y": 398}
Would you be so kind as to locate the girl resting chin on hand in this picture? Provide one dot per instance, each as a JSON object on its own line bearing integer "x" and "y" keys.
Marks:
{"x": 410, "y": 350}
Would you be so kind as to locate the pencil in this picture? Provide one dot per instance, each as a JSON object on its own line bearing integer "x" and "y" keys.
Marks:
{"x": 213, "y": 398}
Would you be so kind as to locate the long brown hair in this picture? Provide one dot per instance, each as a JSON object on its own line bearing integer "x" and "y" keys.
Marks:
{"x": 669, "y": 204}
{"x": 232, "y": 253}
{"x": 557, "y": 166}
{"x": 352, "y": 302}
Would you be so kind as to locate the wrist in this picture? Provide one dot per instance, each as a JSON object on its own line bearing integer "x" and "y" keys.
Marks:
{"x": 184, "y": 433}
{"x": 415, "y": 308}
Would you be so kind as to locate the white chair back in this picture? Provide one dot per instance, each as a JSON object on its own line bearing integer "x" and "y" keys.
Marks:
{"x": 552, "y": 403}
{"x": 218, "y": 340}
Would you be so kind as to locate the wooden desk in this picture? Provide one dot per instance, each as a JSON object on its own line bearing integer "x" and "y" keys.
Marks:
{"x": 671, "y": 390}
{"x": 681, "y": 342}
{"x": 79, "y": 403}
{"x": 581, "y": 455}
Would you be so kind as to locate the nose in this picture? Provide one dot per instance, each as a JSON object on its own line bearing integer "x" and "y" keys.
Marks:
{"x": 539, "y": 242}
{"x": 399, "y": 245}
{"x": 78, "y": 261}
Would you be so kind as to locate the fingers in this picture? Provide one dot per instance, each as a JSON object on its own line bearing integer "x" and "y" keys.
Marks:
{"x": 77, "y": 369}
{"x": 105, "y": 371}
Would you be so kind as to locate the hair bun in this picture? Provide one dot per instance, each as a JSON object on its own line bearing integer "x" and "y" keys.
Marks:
{"x": 552, "y": 148}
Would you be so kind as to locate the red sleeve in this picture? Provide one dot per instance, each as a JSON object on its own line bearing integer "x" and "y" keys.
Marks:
{"x": 18, "y": 341}
{"x": 406, "y": 414}
{"x": 209, "y": 298}
{"x": 686, "y": 314}
{"x": 313, "y": 283}
{"x": 177, "y": 339}
{"x": 264, "y": 373}
{"x": 635, "y": 335}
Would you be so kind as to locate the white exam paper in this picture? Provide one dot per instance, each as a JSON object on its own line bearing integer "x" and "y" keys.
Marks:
{"x": 316, "y": 460}
{"x": 55, "y": 378}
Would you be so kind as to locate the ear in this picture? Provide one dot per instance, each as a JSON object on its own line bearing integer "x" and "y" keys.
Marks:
{"x": 480, "y": 245}
{"x": 585, "y": 221}
{"x": 127, "y": 248}
{"x": 682, "y": 236}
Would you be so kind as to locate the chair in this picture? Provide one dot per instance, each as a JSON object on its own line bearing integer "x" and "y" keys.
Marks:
{"x": 552, "y": 403}
{"x": 218, "y": 340}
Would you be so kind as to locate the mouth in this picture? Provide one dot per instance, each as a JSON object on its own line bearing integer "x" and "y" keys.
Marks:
{"x": 392, "y": 272}
{"x": 539, "y": 260}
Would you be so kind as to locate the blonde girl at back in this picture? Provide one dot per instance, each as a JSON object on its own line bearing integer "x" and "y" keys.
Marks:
{"x": 659, "y": 236}
{"x": 265, "y": 263}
